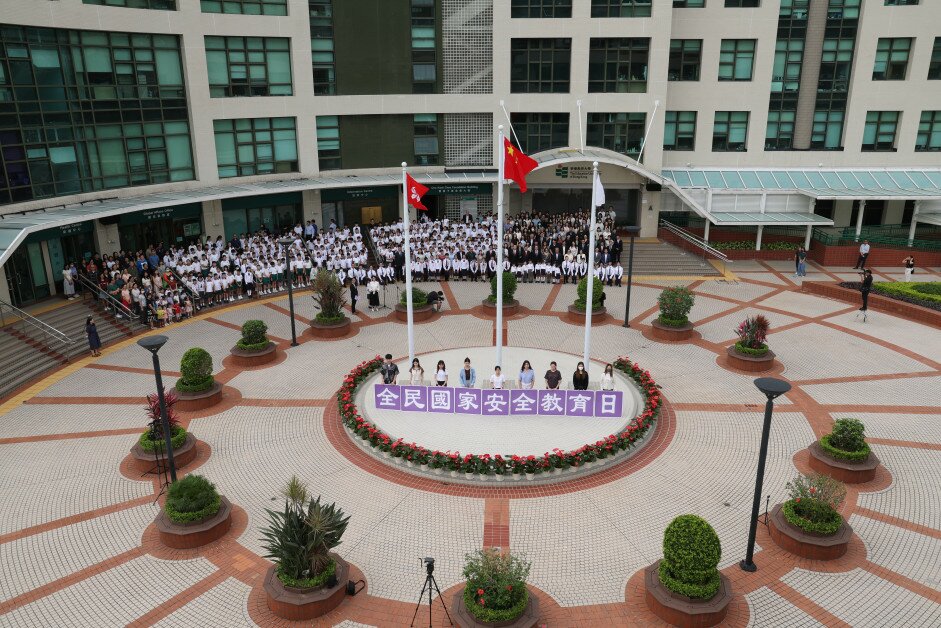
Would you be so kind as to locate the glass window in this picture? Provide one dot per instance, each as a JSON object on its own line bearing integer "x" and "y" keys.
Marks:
{"x": 900, "y": 3}
{"x": 426, "y": 139}
{"x": 685, "y": 58}
{"x": 540, "y": 65}
{"x": 541, "y": 8}
{"x": 328, "y": 142}
{"x": 742, "y": 3}
{"x": 835, "y": 65}
{"x": 891, "y": 58}
{"x": 322, "y": 47}
{"x": 730, "y": 131}
{"x": 249, "y": 66}
{"x": 618, "y": 65}
{"x": 680, "y": 130}
{"x": 780, "y": 132}
{"x": 794, "y": 9}
{"x": 621, "y": 8}
{"x": 827, "y": 132}
{"x": 786, "y": 74}
{"x": 249, "y": 146}
{"x": 166, "y": 5}
{"x": 736, "y": 59}
{"x": 929, "y": 132}
{"x": 843, "y": 9}
{"x": 880, "y": 130}
{"x": 934, "y": 68}
{"x": 689, "y": 4}
{"x": 245, "y": 7}
{"x": 540, "y": 131}
{"x": 424, "y": 47}
{"x": 620, "y": 132}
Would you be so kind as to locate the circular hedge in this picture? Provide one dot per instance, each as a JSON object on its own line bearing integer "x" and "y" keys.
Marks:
{"x": 192, "y": 499}
{"x": 509, "y": 287}
{"x": 150, "y": 444}
{"x": 196, "y": 371}
{"x": 691, "y": 553}
{"x": 812, "y": 516}
{"x": 254, "y": 336}
{"x": 757, "y": 353}
{"x": 419, "y": 297}
{"x": 581, "y": 294}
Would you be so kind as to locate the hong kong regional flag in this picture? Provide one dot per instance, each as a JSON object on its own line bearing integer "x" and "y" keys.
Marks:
{"x": 415, "y": 191}
{"x": 516, "y": 165}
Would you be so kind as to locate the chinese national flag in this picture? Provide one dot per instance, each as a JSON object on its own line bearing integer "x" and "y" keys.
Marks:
{"x": 415, "y": 191}
{"x": 517, "y": 165}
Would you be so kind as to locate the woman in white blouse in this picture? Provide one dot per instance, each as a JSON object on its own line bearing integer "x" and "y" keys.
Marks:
{"x": 497, "y": 380}
{"x": 441, "y": 374}
{"x": 607, "y": 380}
{"x": 416, "y": 374}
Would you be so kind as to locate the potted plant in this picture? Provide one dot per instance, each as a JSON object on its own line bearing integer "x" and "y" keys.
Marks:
{"x": 843, "y": 454}
{"x": 808, "y": 523}
{"x": 307, "y": 579}
{"x": 194, "y": 514}
{"x": 495, "y": 593}
{"x": 253, "y": 348}
{"x": 196, "y": 388}
{"x": 510, "y": 305}
{"x": 673, "y": 323}
{"x": 421, "y": 309}
{"x": 685, "y": 588}
{"x": 751, "y": 353}
{"x": 328, "y": 294}
{"x": 576, "y": 311}
{"x": 151, "y": 445}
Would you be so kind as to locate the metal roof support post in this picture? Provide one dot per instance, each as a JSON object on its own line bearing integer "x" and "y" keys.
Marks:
{"x": 810, "y": 232}
{"x": 761, "y": 229}
{"x": 705, "y": 232}
{"x": 911, "y": 230}
{"x": 859, "y": 218}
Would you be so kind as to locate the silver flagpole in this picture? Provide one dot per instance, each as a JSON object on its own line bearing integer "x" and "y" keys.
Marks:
{"x": 590, "y": 276}
{"x": 408, "y": 271}
{"x": 502, "y": 153}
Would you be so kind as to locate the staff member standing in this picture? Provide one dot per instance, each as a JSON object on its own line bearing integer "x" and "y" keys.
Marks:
{"x": 863, "y": 254}
{"x": 553, "y": 377}
{"x": 468, "y": 375}
{"x": 354, "y": 295}
{"x": 389, "y": 370}
{"x": 909, "y": 263}
{"x": 497, "y": 380}
{"x": 580, "y": 377}
{"x": 864, "y": 290}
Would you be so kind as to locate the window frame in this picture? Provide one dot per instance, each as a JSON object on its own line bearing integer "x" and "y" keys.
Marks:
{"x": 611, "y": 55}
{"x": 732, "y": 120}
{"x": 680, "y": 59}
{"x": 531, "y": 57}
{"x": 679, "y": 123}
{"x": 878, "y": 122}
{"x": 887, "y": 48}
{"x": 929, "y": 127}
{"x": 739, "y": 54}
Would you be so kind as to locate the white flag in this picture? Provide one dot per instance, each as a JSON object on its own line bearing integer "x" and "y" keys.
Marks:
{"x": 599, "y": 191}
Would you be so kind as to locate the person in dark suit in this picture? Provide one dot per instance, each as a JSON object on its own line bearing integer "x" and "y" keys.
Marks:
{"x": 354, "y": 296}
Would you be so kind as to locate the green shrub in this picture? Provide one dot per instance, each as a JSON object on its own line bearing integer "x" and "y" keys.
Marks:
{"x": 509, "y": 287}
{"x": 329, "y": 296}
{"x": 848, "y": 435}
{"x": 192, "y": 499}
{"x": 329, "y": 320}
{"x": 196, "y": 371}
{"x": 813, "y": 503}
{"x": 672, "y": 322}
{"x": 735, "y": 245}
{"x": 496, "y": 585}
{"x": 581, "y": 292}
{"x": 309, "y": 583}
{"x": 753, "y": 331}
{"x": 254, "y": 336}
{"x": 151, "y": 442}
{"x": 675, "y": 303}
{"x": 924, "y": 294}
{"x": 691, "y": 553}
{"x": 752, "y": 351}
{"x": 781, "y": 246}
{"x": 812, "y": 517}
{"x": 419, "y": 297}
{"x": 860, "y": 455}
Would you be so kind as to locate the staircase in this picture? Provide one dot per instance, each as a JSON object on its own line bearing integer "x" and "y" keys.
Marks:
{"x": 660, "y": 258}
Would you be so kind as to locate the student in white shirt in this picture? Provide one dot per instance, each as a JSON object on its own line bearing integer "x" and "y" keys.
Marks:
{"x": 497, "y": 380}
{"x": 607, "y": 380}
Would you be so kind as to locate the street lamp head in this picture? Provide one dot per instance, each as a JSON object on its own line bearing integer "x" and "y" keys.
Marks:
{"x": 285, "y": 241}
{"x": 632, "y": 231}
{"x": 771, "y": 387}
{"x": 152, "y": 343}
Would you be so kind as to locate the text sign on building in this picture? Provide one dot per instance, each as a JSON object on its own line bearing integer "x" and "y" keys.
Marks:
{"x": 575, "y": 403}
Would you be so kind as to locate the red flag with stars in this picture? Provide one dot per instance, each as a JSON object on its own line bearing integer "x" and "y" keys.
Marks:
{"x": 415, "y": 191}
{"x": 516, "y": 164}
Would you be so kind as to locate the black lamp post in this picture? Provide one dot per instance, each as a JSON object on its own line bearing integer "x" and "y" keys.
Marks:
{"x": 772, "y": 388}
{"x": 286, "y": 242}
{"x": 632, "y": 231}
{"x": 153, "y": 344}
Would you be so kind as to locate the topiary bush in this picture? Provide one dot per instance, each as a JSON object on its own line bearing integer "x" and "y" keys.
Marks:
{"x": 813, "y": 504}
{"x": 419, "y": 297}
{"x": 192, "y": 499}
{"x": 196, "y": 371}
{"x": 254, "y": 336}
{"x": 496, "y": 585}
{"x": 509, "y": 288}
{"x": 847, "y": 441}
{"x": 597, "y": 289}
{"x": 675, "y": 303}
{"x": 691, "y": 553}
{"x": 329, "y": 297}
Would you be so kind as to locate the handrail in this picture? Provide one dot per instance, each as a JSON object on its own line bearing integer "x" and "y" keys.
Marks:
{"x": 180, "y": 281}
{"x": 109, "y": 299}
{"x": 29, "y": 319}
{"x": 694, "y": 240}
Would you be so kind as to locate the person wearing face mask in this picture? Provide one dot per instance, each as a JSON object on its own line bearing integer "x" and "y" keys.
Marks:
{"x": 580, "y": 378}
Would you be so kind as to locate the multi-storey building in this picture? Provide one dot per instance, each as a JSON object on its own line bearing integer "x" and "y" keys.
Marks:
{"x": 128, "y": 122}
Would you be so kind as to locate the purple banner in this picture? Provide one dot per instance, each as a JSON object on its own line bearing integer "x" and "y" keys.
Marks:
{"x": 441, "y": 399}
{"x": 388, "y": 397}
{"x": 495, "y": 402}
{"x": 579, "y": 402}
{"x": 414, "y": 398}
{"x": 524, "y": 401}
{"x": 552, "y": 402}
{"x": 467, "y": 401}
{"x": 609, "y": 403}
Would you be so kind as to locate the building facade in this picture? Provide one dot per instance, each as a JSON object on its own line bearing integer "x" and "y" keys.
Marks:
{"x": 128, "y": 122}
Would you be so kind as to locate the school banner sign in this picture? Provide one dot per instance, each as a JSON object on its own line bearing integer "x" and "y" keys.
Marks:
{"x": 607, "y": 404}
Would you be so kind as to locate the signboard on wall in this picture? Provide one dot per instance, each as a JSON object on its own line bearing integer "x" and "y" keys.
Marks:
{"x": 352, "y": 194}
{"x": 175, "y": 212}
{"x": 61, "y": 232}
{"x": 460, "y": 189}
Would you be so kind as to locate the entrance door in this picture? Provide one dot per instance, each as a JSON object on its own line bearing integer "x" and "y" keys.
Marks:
{"x": 26, "y": 275}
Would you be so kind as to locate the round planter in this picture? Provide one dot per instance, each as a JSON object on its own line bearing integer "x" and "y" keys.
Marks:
{"x": 577, "y": 317}
{"x": 146, "y": 462}
{"x": 240, "y": 357}
{"x": 528, "y": 619}
{"x": 683, "y": 611}
{"x": 331, "y": 330}
{"x": 419, "y": 314}
{"x": 806, "y": 544}
{"x": 191, "y": 402}
{"x": 305, "y": 604}
{"x": 659, "y": 331}
{"x": 750, "y": 363}
{"x": 197, "y": 533}
{"x": 509, "y": 307}
{"x": 842, "y": 470}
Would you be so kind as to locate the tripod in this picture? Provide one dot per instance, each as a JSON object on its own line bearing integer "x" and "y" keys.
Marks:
{"x": 160, "y": 466}
{"x": 431, "y": 585}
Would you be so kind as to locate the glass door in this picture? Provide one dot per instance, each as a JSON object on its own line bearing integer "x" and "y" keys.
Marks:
{"x": 26, "y": 275}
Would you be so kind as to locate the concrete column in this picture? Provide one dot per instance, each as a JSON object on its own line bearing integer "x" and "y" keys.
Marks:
{"x": 47, "y": 264}
{"x": 761, "y": 229}
{"x": 107, "y": 238}
{"x": 212, "y": 219}
{"x": 312, "y": 210}
{"x": 764, "y": 202}
{"x": 4, "y": 288}
{"x": 709, "y": 200}
{"x": 911, "y": 230}
{"x": 810, "y": 73}
{"x": 859, "y": 218}
{"x": 810, "y": 233}
{"x": 705, "y": 233}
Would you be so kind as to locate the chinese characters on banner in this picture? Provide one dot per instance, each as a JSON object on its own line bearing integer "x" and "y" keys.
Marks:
{"x": 579, "y": 403}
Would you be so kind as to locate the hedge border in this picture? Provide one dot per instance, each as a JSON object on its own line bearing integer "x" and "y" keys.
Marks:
{"x": 826, "y": 528}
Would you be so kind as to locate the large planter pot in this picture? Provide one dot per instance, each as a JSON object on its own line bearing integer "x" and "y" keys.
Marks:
{"x": 243, "y": 358}
{"x": 191, "y": 402}
{"x": 528, "y": 619}
{"x": 806, "y": 544}
{"x": 331, "y": 330}
{"x": 197, "y": 533}
{"x": 419, "y": 314}
{"x": 577, "y": 317}
{"x": 683, "y": 611}
{"x": 146, "y": 462}
{"x": 750, "y": 363}
{"x": 305, "y": 604}
{"x": 509, "y": 307}
{"x": 842, "y": 470}
{"x": 659, "y": 331}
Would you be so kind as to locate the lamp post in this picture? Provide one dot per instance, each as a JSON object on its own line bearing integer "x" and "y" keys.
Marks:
{"x": 632, "y": 231}
{"x": 772, "y": 388}
{"x": 153, "y": 344}
{"x": 286, "y": 242}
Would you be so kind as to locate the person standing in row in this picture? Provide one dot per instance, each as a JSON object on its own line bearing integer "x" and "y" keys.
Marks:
{"x": 909, "y": 263}
{"x": 497, "y": 380}
{"x": 468, "y": 376}
{"x": 607, "y": 379}
{"x": 68, "y": 283}
{"x": 441, "y": 374}
{"x": 527, "y": 379}
{"x": 553, "y": 376}
{"x": 354, "y": 296}
{"x": 580, "y": 377}
{"x": 416, "y": 374}
{"x": 389, "y": 370}
{"x": 863, "y": 255}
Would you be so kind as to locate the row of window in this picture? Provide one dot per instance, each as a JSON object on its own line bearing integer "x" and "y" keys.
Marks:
{"x": 242, "y": 7}
{"x": 642, "y": 8}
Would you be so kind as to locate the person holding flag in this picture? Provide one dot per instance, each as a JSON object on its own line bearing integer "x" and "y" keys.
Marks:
{"x": 412, "y": 192}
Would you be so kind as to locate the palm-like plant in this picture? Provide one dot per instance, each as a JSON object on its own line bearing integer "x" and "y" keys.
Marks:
{"x": 328, "y": 295}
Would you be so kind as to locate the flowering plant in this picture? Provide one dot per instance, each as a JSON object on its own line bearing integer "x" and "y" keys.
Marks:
{"x": 675, "y": 303}
{"x": 752, "y": 332}
{"x": 496, "y": 585}
{"x": 813, "y": 503}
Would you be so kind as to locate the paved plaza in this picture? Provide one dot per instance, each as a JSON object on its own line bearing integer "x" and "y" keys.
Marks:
{"x": 78, "y": 546}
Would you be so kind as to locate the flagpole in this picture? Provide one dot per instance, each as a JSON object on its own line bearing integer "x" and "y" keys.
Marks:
{"x": 502, "y": 153}
{"x": 590, "y": 275}
{"x": 408, "y": 271}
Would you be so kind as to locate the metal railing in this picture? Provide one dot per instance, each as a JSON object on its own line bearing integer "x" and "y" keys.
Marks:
{"x": 697, "y": 242}
{"x": 108, "y": 301}
{"x": 195, "y": 296}
{"x": 30, "y": 326}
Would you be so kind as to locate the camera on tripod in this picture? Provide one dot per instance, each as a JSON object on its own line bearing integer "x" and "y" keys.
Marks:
{"x": 431, "y": 586}
{"x": 429, "y": 564}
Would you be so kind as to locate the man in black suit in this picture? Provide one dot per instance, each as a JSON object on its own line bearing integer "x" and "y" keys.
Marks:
{"x": 354, "y": 296}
